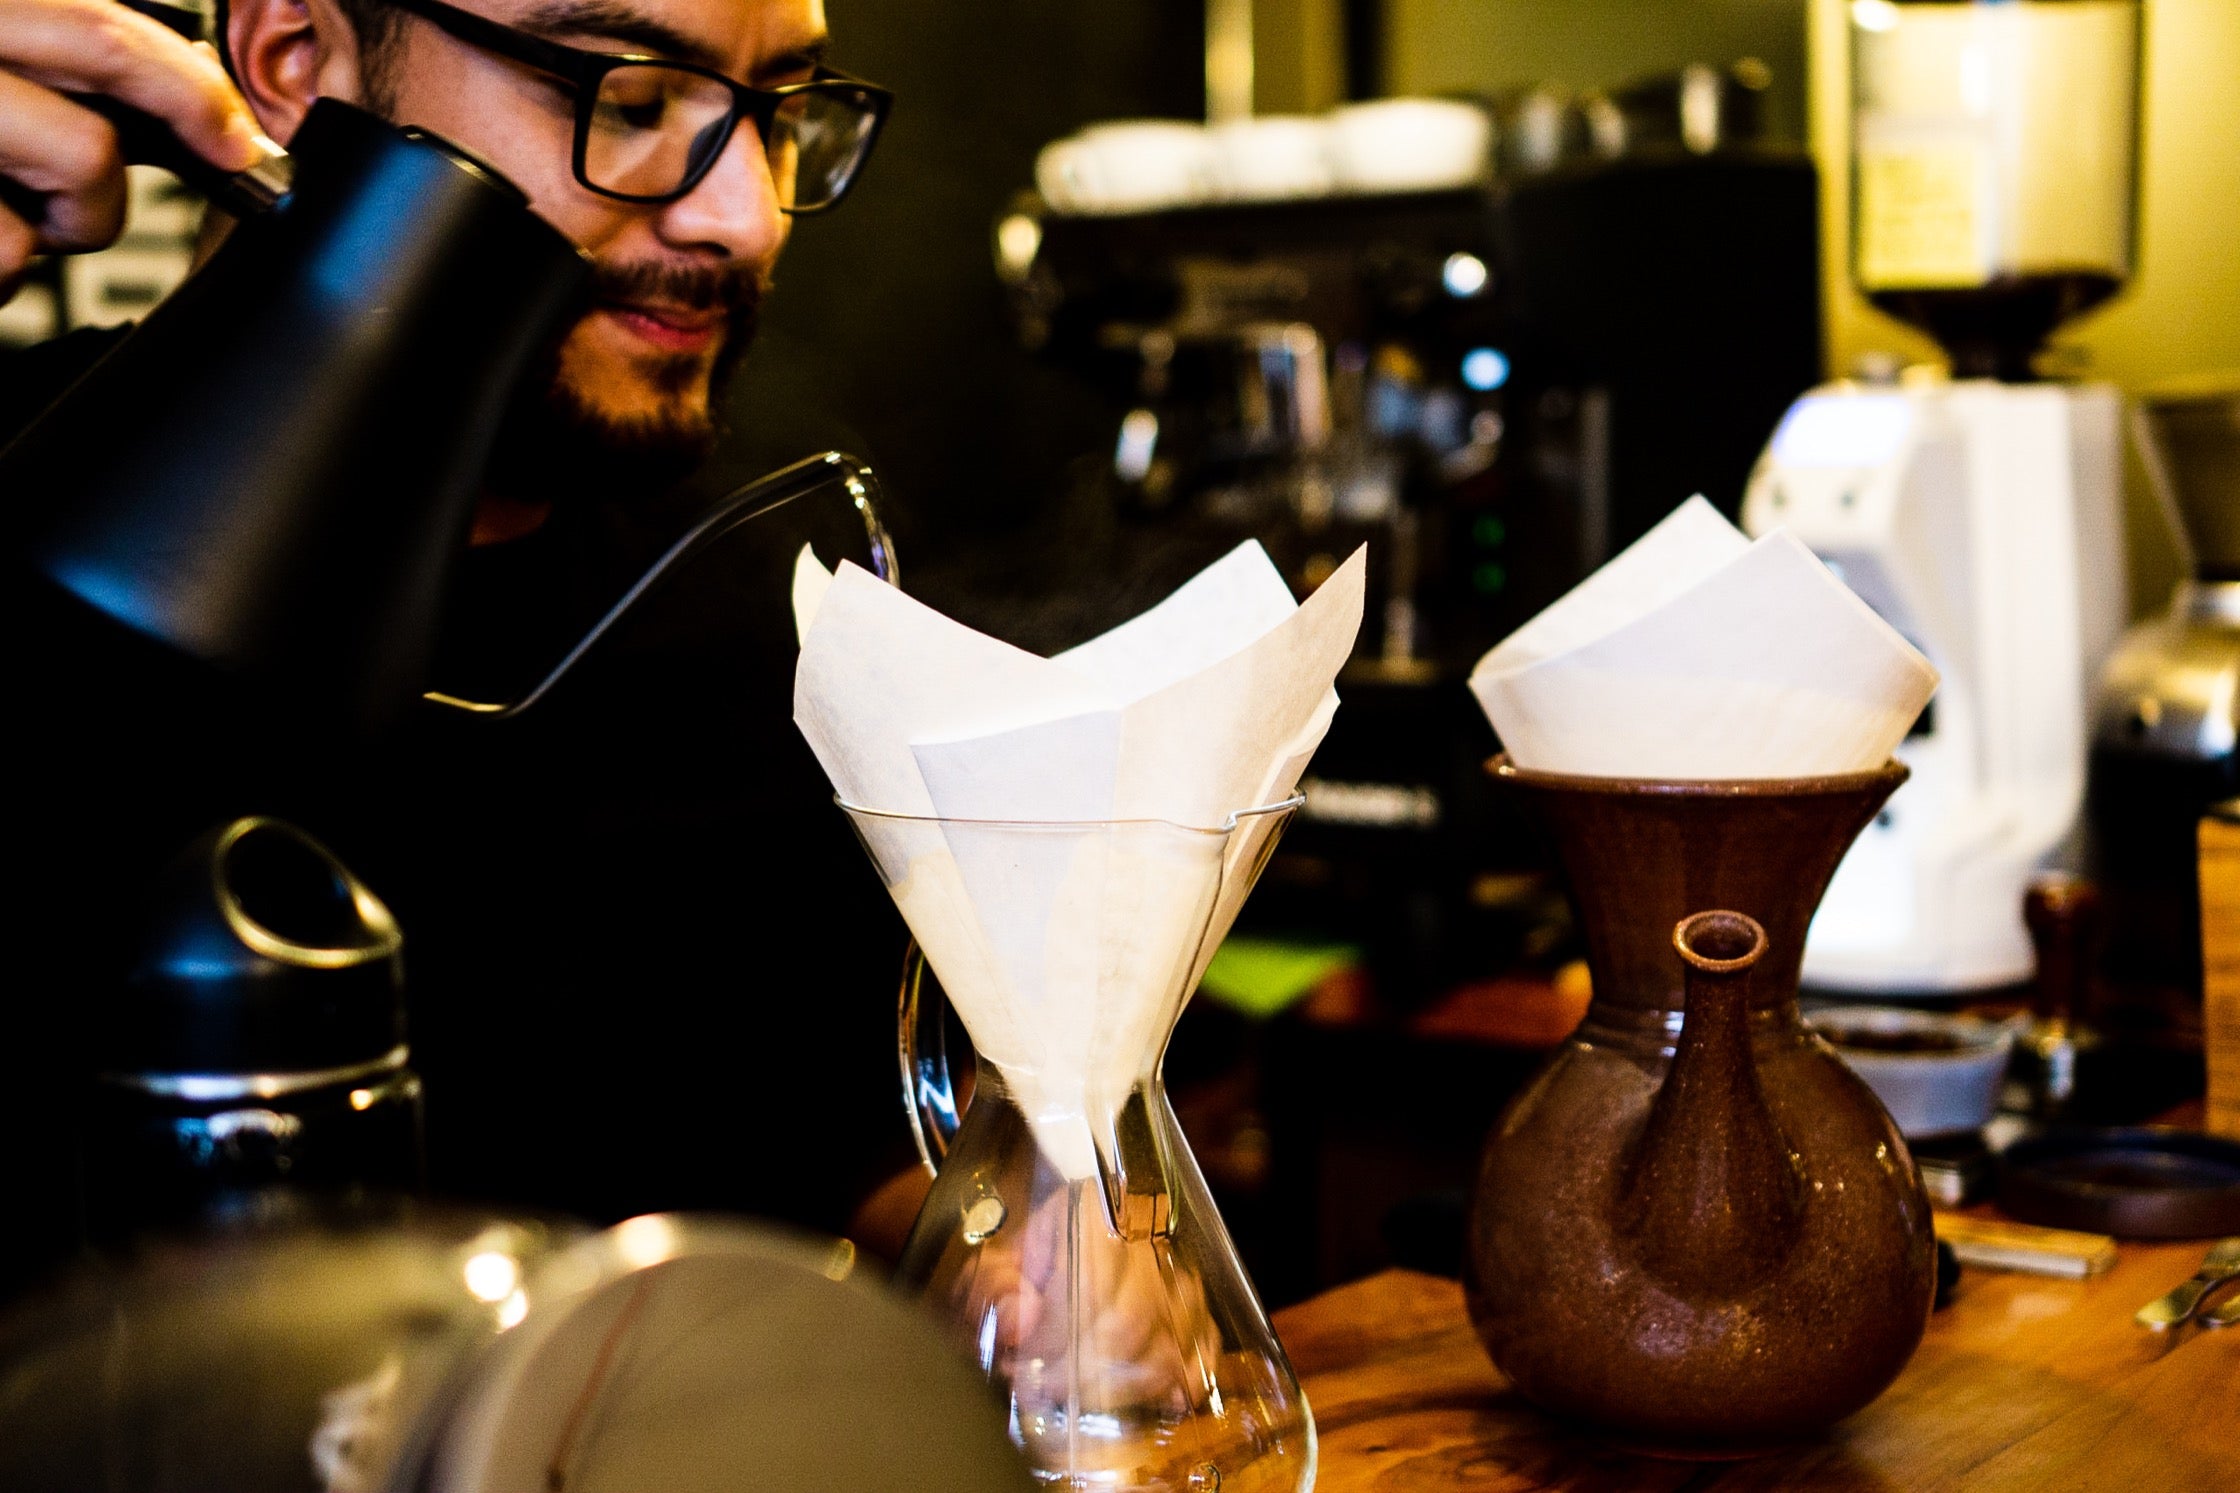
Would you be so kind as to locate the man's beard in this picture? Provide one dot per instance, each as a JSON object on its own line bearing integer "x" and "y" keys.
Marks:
{"x": 556, "y": 445}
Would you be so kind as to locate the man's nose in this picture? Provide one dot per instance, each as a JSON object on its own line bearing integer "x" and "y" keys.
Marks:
{"x": 735, "y": 206}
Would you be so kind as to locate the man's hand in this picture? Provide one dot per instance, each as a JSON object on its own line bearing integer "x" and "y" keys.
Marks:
{"x": 68, "y": 154}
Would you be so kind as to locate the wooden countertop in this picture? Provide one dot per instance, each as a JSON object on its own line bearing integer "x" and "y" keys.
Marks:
{"x": 2023, "y": 1383}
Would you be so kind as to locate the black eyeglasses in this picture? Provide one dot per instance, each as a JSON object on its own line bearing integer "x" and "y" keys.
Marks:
{"x": 648, "y": 130}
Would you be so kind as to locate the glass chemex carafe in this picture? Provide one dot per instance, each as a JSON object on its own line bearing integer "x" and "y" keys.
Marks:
{"x": 1069, "y": 1241}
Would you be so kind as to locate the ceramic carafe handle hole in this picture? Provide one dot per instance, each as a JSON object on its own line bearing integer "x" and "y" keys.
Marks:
{"x": 1718, "y": 942}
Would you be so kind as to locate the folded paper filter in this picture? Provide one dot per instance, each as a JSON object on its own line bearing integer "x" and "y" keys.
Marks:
{"x": 1063, "y": 948}
{"x": 1698, "y": 654}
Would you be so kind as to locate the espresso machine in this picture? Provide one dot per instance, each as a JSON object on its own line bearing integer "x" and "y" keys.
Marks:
{"x": 1994, "y": 166}
{"x": 1509, "y": 379}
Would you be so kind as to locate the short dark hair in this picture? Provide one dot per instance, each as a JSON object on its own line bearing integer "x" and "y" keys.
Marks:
{"x": 375, "y": 24}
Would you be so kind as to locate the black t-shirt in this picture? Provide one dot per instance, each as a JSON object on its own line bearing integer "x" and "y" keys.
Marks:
{"x": 648, "y": 966}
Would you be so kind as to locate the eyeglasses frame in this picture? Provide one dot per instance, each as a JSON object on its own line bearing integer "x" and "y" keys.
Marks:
{"x": 584, "y": 70}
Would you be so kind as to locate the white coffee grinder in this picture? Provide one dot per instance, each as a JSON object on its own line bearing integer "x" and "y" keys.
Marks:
{"x": 1994, "y": 170}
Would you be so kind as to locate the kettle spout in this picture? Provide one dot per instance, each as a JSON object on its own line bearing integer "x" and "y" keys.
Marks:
{"x": 740, "y": 506}
{"x": 1712, "y": 1196}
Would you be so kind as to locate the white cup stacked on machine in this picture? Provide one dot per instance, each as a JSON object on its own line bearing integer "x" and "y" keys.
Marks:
{"x": 1156, "y": 165}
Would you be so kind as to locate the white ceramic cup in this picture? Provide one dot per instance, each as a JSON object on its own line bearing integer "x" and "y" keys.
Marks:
{"x": 1061, "y": 175}
{"x": 1409, "y": 144}
{"x": 1136, "y": 165}
{"x": 1273, "y": 156}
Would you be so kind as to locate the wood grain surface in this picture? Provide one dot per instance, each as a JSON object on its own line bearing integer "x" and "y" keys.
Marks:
{"x": 2023, "y": 1383}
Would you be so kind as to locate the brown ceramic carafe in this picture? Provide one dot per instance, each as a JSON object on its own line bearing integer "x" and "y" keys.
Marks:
{"x": 1695, "y": 1228}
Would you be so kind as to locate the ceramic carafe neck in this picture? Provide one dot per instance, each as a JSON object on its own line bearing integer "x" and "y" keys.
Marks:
{"x": 1642, "y": 854}
{"x": 1712, "y": 1195}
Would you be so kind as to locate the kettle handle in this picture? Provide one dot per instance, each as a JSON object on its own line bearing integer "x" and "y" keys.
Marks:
{"x": 929, "y": 1093}
{"x": 146, "y": 140}
{"x": 740, "y": 506}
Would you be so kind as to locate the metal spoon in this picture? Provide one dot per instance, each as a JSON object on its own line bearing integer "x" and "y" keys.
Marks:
{"x": 2221, "y": 1264}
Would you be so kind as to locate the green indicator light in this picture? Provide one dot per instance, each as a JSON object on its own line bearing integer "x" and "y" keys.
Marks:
{"x": 1489, "y": 531}
{"x": 1488, "y": 579}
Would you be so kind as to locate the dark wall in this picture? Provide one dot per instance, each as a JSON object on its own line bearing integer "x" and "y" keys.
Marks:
{"x": 887, "y": 328}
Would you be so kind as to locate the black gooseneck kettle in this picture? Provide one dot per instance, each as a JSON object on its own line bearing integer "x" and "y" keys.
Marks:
{"x": 273, "y": 473}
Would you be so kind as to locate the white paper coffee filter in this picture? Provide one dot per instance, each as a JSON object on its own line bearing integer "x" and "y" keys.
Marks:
{"x": 1063, "y": 963}
{"x": 1684, "y": 547}
{"x": 878, "y": 670}
{"x": 1235, "y": 734}
{"x": 1697, "y": 654}
{"x": 1062, "y": 950}
{"x": 1223, "y": 608}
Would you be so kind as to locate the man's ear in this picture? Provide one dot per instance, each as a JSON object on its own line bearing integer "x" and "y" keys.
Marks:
{"x": 287, "y": 53}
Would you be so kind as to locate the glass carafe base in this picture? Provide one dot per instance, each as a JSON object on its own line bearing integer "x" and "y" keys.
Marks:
{"x": 1127, "y": 1363}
